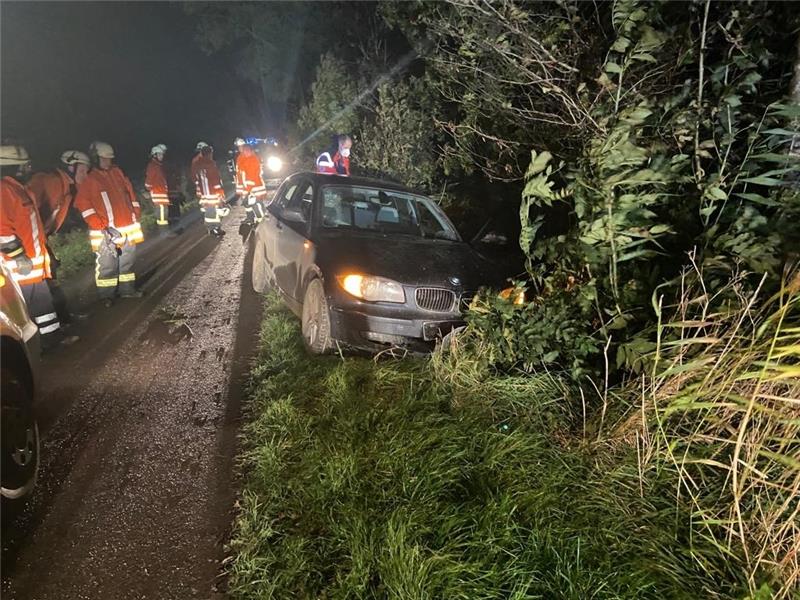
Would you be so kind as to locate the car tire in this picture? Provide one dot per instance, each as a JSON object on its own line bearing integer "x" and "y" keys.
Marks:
{"x": 316, "y": 321}
{"x": 20, "y": 437}
{"x": 260, "y": 280}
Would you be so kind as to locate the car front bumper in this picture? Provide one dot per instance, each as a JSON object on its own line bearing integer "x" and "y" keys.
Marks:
{"x": 371, "y": 331}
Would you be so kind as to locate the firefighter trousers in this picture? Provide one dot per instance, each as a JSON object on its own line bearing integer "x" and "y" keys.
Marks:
{"x": 114, "y": 270}
{"x": 211, "y": 217}
{"x": 40, "y": 307}
{"x": 163, "y": 214}
{"x": 255, "y": 210}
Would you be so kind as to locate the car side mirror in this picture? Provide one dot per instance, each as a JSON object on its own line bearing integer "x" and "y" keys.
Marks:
{"x": 292, "y": 215}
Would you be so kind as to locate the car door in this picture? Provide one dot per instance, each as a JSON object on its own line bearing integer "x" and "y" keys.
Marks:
{"x": 293, "y": 224}
{"x": 271, "y": 225}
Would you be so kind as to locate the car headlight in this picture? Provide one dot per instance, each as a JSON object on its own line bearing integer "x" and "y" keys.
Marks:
{"x": 373, "y": 289}
{"x": 274, "y": 164}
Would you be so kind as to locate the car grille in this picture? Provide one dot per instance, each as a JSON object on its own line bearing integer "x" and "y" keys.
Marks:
{"x": 435, "y": 299}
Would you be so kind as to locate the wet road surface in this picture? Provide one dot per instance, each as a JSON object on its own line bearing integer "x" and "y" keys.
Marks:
{"x": 139, "y": 422}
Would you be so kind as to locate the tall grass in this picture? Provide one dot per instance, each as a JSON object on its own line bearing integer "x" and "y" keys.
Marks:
{"x": 388, "y": 479}
{"x": 724, "y": 399}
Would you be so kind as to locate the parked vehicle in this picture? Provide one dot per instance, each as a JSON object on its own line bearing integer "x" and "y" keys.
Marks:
{"x": 366, "y": 263}
{"x": 19, "y": 361}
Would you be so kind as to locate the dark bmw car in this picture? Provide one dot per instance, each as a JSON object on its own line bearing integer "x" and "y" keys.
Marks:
{"x": 366, "y": 263}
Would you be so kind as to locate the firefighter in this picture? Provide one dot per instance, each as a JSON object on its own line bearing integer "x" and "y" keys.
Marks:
{"x": 250, "y": 182}
{"x": 156, "y": 183}
{"x": 111, "y": 210}
{"x": 23, "y": 241}
{"x": 208, "y": 186}
{"x": 336, "y": 161}
{"x": 53, "y": 192}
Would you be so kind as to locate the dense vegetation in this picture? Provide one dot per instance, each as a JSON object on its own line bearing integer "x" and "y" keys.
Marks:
{"x": 652, "y": 149}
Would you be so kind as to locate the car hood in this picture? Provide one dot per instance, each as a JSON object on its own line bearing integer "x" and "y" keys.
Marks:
{"x": 410, "y": 261}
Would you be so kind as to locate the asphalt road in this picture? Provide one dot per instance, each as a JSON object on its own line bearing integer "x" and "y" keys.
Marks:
{"x": 139, "y": 421}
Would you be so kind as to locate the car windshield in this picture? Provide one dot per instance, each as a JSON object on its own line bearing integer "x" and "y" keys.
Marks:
{"x": 384, "y": 211}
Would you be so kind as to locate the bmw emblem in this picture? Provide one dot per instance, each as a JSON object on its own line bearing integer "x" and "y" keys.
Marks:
{"x": 454, "y": 280}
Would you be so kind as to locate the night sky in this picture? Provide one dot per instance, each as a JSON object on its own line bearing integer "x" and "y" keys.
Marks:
{"x": 130, "y": 74}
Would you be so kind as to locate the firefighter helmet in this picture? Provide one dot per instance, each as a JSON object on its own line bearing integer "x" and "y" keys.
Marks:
{"x": 101, "y": 150}
{"x": 13, "y": 155}
{"x": 201, "y": 146}
{"x": 239, "y": 142}
{"x": 71, "y": 158}
{"x": 158, "y": 149}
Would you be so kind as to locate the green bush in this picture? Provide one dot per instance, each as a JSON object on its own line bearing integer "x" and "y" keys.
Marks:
{"x": 73, "y": 251}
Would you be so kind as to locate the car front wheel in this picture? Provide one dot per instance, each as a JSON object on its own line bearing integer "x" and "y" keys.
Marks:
{"x": 20, "y": 437}
{"x": 316, "y": 319}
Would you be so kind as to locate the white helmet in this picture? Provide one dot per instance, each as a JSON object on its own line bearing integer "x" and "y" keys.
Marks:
{"x": 13, "y": 155}
{"x": 158, "y": 149}
{"x": 200, "y": 146}
{"x": 74, "y": 157}
{"x": 239, "y": 142}
{"x": 101, "y": 150}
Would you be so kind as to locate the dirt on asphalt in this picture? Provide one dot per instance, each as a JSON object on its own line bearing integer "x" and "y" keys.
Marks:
{"x": 139, "y": 421}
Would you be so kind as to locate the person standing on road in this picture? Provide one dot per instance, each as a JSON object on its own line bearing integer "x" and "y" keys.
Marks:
{"x": 208, "y": 186}
{"x": 336, "y": 161}
{"x": 54, "y": 192}
{"x": 111, "y": 210}
{"x": 156, "y": 183}
{"x": 250, "y": 182}
{"x": 23, "y": 241}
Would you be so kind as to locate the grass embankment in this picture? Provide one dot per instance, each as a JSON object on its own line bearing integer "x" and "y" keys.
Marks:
{"x": 395, "y": 479}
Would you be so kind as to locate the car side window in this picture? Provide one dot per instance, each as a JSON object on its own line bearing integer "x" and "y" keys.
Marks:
{"x": 301, "y": 199}
{"x": 286, "y": 195}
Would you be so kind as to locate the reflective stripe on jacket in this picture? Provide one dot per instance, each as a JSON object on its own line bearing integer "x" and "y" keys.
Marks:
{"x": 106, "y": 199}
{"x": 248, "y": 175}
{"x": 207, "y": 181}
{"x": 22, "y": 232}
{"x": 156, "y": 182}
{"x": 337, "y": 164}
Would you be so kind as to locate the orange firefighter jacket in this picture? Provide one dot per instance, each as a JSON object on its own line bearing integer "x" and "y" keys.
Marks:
{"x": 207, "y": 181}
{"x": 53, "y": 193}
{"x": 106, "y": 199}
{"x": 248, "y": 175}
{"x": 22, "y": 232}
{"x": 155, "y": 182}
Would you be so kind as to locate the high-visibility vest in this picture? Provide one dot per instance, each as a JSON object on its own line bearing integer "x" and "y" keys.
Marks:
{"x": 106, "y": 199}
{"x": 53, "y": 192}
{"x": 336, "y": 164}
{"x": 325, "y": 164}
{"x": 207, "y": 181}
{"x": 248, "y": 175}
{"x": 156, "y": 182}
{"x": 22, "y": 232}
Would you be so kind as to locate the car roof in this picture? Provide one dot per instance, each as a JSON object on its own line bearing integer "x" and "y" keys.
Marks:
{"x": 327, "y": 178}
